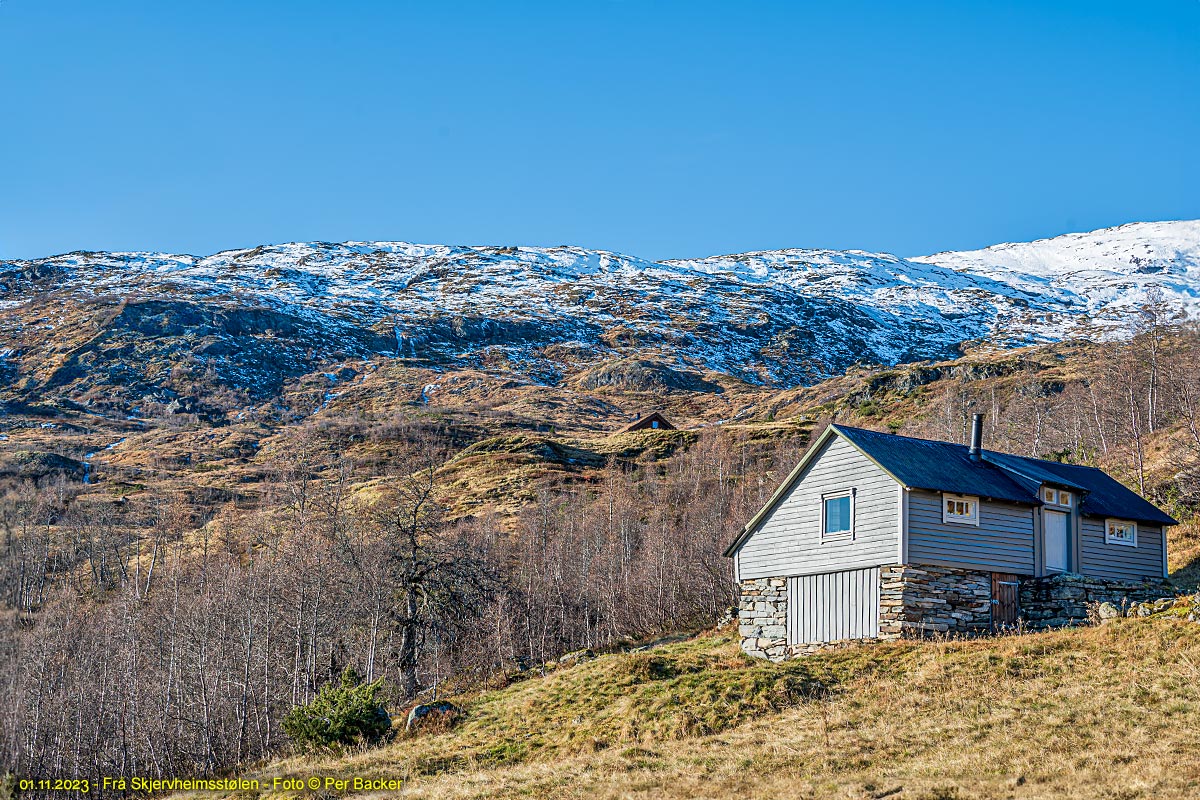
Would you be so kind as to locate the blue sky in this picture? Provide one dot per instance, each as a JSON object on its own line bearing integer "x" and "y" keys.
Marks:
{"x": 662, "y": 129}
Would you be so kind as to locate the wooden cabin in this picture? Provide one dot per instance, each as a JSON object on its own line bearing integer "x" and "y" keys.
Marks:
{"x": 652, "y": 421}
{"x": 875, "y": 535}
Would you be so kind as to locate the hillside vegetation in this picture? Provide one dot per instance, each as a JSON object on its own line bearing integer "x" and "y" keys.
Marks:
{"x": 435, "y": 524}
{"x": 1105, "y": 712}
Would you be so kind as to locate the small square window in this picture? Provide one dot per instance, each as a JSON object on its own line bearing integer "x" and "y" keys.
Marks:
{"x": 1048, "y": 495}
{"x": 1120, "y": 531}
{"x": 1064, "y": 499}
{"x": 837, "y": 516}
{"x": 960, "y": 508}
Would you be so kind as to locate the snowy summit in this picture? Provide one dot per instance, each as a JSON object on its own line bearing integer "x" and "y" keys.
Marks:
{"x": 782, "y": 317}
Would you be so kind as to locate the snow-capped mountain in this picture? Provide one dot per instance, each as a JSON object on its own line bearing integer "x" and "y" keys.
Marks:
{"x": 1109, "y": 270}
{"x": 781, "y": 317}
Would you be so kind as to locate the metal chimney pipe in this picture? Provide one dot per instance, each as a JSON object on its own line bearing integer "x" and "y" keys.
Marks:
{"x": 976, "y": 437}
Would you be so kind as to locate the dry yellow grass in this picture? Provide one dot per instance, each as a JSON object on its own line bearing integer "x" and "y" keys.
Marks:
{"x": 1108, "y": 712}
{"x": 1183, "y": 551}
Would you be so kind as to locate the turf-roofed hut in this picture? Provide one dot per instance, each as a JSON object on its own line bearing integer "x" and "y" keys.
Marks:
{"x": 879, "y": 536}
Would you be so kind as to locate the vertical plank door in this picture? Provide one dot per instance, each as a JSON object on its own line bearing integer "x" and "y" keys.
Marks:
{"x": 1005, "y": 606}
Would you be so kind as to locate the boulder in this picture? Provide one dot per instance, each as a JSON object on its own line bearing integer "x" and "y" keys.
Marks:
{"x": 438, "y": 716}
{"x": 576, "y": 657}
{"x": 1108, "y": 611}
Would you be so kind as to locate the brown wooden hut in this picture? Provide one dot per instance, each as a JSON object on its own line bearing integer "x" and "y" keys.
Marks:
{"x": 652, "y": 421}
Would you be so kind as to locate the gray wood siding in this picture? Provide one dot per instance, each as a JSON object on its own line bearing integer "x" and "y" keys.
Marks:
{"x": 1002, "y": 542}
{"x": 833, "y": 606}
{"x": 1119, "y": 562}
{"x": 789, "y": 541}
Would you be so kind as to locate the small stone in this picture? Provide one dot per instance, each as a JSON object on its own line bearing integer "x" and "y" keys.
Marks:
{"x": 576, "y": 657}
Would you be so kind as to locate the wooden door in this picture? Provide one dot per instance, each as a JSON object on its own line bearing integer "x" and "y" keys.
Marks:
{"x": 834, "y": 606}
{"x": 1005, "y": 605}
{"x": 1057, "y": 542}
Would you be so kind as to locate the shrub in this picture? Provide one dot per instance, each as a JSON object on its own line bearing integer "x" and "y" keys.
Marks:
{"x": 346, "y": 713}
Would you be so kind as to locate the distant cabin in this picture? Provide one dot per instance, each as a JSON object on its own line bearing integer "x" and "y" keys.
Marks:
{"x": 652, "y": 421}
{"x": 875, "y": 535}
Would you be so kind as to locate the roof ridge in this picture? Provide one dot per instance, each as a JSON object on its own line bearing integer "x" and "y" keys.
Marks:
{"x": 839, "y": 426}
{"x": 984, "y": 450}
{"x": 1048, "y": 461}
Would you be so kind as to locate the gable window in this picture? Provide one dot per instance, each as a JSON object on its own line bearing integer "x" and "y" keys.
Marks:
{"x": 837, "y": 516}
{"x": 960, "y": 508}
{"x": 1120, "y": 531}
{"x": 1057, "y": 497}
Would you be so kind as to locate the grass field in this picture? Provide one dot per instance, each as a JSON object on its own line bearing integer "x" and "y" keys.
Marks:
{"x": 1106, "y": 712}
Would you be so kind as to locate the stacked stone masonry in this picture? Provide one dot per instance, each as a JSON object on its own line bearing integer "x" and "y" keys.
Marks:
{"x": 762, "y": 617}
{"x": 917, "y": 601}
{"x": 1058, "y": 600}
{"x": 921, "y": 601}
{"x": 817, "y": 647}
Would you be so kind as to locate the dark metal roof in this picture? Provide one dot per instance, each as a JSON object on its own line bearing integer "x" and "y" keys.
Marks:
{"x": 937, "y": 466}
{"x": 1034, "y": 469}
{"x": 946, "y": 467}
{"x": 1104, "y": 495}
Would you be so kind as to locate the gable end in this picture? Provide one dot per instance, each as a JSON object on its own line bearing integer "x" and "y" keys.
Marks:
{"x": 813, "y": 453}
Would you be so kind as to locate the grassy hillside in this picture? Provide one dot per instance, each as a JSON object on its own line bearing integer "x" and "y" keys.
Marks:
{"x": 255, "y": 514}
{"x": 1106, "y": 712}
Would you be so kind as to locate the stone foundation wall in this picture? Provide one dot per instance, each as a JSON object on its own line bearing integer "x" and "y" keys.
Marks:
{"x": 762, "y": 617}
{"x": 819, "y": 647}
{"x": 922, "y": 600}
{"x": 1058, "y": 600}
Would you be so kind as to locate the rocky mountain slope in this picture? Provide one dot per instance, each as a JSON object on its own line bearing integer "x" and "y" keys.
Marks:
{"x": 145, "y": 367}
{"x": 99, "y": 326}
{"x": 163, "y": 414}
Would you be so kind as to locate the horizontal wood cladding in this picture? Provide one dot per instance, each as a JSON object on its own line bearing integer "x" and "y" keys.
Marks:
{"x": 1001, "y": 542}
{"x": 1120, "y": 562}
{"x": 789, "y": 541}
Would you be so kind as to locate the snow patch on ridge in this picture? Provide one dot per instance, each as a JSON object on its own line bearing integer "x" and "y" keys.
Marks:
{"x": 783, "y": 316}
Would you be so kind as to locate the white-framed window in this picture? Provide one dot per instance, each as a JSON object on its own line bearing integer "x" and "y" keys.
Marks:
{"x": 1120, "y": 531}
{"x": 960, "y": 508}
{"x": 837, "y": 516}
{"x": 1057, "y": 497}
